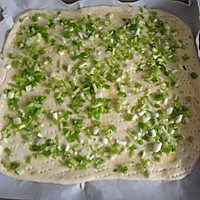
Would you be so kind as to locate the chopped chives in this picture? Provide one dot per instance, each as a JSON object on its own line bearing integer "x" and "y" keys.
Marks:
{"x": 160, "y": 97}
{"x": 191, "y": 139}
{"x": 193, "y": 75}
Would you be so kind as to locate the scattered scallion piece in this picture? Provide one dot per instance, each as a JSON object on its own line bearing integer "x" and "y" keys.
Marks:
{"x": 194, "y": 75}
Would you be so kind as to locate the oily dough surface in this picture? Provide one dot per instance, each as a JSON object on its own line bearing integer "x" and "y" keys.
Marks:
{"x": 175, "y": 166}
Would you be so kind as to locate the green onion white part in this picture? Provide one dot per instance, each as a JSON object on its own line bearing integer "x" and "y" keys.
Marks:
{"x": 157, "y": 147}
{"x": 8, "y": 66}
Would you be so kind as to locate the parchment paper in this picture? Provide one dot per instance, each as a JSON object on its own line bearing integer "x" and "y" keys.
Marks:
{"x": 185, "y": 189}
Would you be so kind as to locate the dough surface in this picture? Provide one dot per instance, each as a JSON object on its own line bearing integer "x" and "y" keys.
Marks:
{"x": 174, "y": 166}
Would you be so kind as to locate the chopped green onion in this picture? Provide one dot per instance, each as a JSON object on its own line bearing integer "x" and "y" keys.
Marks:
{"x": 185, "y": 57}
{"x": 8, "y": 151}
{"x": 124, "y": 169}
{"x": 191, "y": 139}
{"x": 20, "y": 170}
{"x": 160, "y": 97}
{"x": 194, "y": 75}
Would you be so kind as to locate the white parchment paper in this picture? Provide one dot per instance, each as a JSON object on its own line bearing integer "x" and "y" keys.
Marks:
{"x": 185, "y": 189}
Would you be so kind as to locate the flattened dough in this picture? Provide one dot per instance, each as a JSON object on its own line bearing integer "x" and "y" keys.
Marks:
{"x": 172, "y": 167}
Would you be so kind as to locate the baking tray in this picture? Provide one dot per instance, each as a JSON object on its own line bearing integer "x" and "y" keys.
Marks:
{"x": 187, "y": 188}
